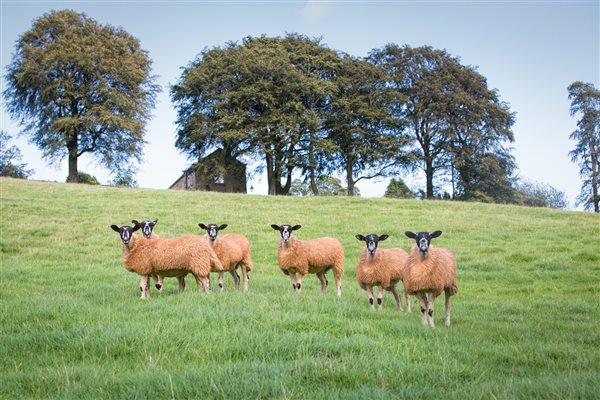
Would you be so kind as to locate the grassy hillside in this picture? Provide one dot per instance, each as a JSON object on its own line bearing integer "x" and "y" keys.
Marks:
{"x": 525, "y": 322}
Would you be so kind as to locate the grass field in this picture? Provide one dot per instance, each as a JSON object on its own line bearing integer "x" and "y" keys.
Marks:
{"x": 525, "y": 322}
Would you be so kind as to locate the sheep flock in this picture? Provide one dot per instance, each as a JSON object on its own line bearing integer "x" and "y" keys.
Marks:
{"x": 424, "y": 272}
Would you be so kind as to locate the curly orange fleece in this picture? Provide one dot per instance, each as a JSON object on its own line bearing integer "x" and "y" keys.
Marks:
{"x": 434, "y": 273}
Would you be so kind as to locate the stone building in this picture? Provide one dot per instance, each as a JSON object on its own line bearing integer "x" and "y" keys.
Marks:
{"x": 217, "y": 172}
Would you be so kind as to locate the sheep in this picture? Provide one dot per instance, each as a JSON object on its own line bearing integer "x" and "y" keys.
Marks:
{"x": 167, "y": 257}
{"x": 429, "y": 271}
{"x": 233, "y": 251}
{"x": 147, "y": 227}
{"x": 382, "y": 268}
{"x": 316, "y": 256}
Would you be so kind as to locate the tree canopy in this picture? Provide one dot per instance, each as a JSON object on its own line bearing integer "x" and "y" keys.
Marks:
{"x": 80, "y": 87}
{"x": 455, "y": 120}
{"x": 585, "y": 102}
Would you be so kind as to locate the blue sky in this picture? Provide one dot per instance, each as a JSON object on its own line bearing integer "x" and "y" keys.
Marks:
{"x": 530, "y": 51}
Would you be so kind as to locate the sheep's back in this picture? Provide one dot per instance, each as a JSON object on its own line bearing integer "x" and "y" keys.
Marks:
{"x": 385, "y": 269}
{"x": 434, "y": 273}
{"x": 322, "y": 253}
{"x": 179, "y": 253}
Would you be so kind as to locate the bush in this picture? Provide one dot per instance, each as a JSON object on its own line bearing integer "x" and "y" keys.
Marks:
{"x": 88, "y": 179}
{"x": 398, "y": 189}
{"x": 10, "y": 157}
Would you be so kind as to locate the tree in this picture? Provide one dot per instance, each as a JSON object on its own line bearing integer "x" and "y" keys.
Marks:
{"x": 125, "y": 178}
{"x": 368, "y": 143}
{"x": 397, "y": 189}
{"x": 416, "y": 74}
{"x": 477, "y": 130}
{"x": 10, "y": 157}
{"x": 539, "y": 195}
{"x": 454, "y": 118}
{"x": 585, "y": 101}
{"x": 79, "y": 87}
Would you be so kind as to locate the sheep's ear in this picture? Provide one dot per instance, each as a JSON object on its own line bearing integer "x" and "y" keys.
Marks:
{"x": 115, "y": 228}
{"x": 155, "y": 221}
{"x": 296, "y": 227}
{"x": 383, "y": 237}
{"x": 135, "y": 222}
{"x": 410, "y": 234}
{"x": 203, "y": 226}
{"x": 435, "y": 234}
{"x": 360, "y": 237}
{"x": 276, "y": 227}
{"x": 135, "y": 227}
{"x": 222, "y": 227}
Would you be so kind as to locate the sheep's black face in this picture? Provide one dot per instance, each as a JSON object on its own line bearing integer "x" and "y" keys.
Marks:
{"x": 147, "y": 227}
{"x": 423, "y": 240}
{"x": 125, "y": 231}
{"x": 372, "y": 241}
{"x": 212, "y": 230}
{"x": 285, "y": 230}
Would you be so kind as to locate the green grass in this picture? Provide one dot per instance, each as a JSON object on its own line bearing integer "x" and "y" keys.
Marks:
{"x": 525, "y": 322}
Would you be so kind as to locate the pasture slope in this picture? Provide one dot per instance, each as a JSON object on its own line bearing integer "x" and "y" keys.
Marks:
{"x": 525, "y": 322}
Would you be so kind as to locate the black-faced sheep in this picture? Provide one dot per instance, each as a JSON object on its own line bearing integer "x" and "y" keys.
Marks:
{"x": 167, "y": 257}
{"x": 429, "y": 271}
{"x": 316, "y": 256}
{"x": 147, "y": 228}
{"x": 233, "y": 250}
{"x": 383, "y": 268}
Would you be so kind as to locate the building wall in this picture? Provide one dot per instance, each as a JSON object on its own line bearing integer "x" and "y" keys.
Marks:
{"x": 214, "y": 174}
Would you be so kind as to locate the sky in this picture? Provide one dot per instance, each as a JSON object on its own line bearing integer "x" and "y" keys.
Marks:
{"x": 529, "y": 51}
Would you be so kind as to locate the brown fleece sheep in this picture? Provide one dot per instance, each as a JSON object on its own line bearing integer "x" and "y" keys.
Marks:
{"x": 381, "y": 267}
{"x": 233, "y": 251}
{"x": 316, "y": 256}
{"x": 166, "y": 257}
{"x": 429, "y": 271}
{"x": 147, "y": 227}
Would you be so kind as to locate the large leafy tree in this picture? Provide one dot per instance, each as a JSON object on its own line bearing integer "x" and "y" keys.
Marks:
{"x": 80, "y": 87}
{"x": 369, "y": 143}
{"x": 416, "y": 74}
{"x": 263, "y": 98}
{"x": 585, "y": 102}
{"x": 456, "y": 122}
{"x": 477, "y": 128}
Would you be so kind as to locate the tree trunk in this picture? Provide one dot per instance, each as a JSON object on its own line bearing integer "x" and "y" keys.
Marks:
{"x": 429, "y": 177}
{"x": 349, "y": 176}
{"x": 270, "y": 174}
{"x": 72, "y": 148}
{"x": 311, "y": 166}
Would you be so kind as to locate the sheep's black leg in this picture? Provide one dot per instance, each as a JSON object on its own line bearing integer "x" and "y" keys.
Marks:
{"x": 423, "y": 304}
{"x": 370, "y": 293}
{"x": 430, "y": 309}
